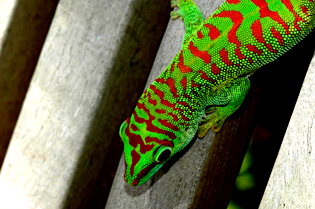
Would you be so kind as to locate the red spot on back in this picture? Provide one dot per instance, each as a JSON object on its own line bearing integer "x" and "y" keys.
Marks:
{"x": 184, "y": 83}
{"x": 237, "y": 18}
{"x": 277, "y": 35}
{"x": 171, "y": 83}
{"x": 183, "y": 68}
{"x": 289, "y": 6}
{"x": 151, "y": 101}
{"x": 214, "y": 69}
{"x": 205, "y": 77}
{"x": 187, "y": 96}
{"x": 224, "y": 56}
{"x": 194, "y": 85}
{"x": 258, "y": 34}
{"x": 204, "y": 55}
{"x": 233, "y": 1}
{"x": 199, "y": 34}
{"x": 254, "y": 49}
{"x": 172, "y": 67}
{"x": 265, "y": 12}
{"x": 213, "y": 31}
{"x": 304, "y": 10}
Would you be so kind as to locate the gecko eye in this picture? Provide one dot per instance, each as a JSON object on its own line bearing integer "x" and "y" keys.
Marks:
{"x": 122, "y": 127}
{"x": 161, "y": 154}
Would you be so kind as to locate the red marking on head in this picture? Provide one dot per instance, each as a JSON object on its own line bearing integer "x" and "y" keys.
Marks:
{"x": 266, "y": 12}
{"x": 184, "y": 83}
{"x": 160, "y": 80}
{"x": 150, "y": 126}
{"x": 213, "y": 31}
{"x": 224, "y": 56}
{"x": 185, "y": 104}
{"x": 289, "y": 6}
{"x": 145, "y": 94}
{"x": 183, "y": 68}
{"x": 184, "y": 117}
{"x": 277, "y": 35}
{"x": 204, "y": 55}
{"x": 143, "y": 173}
{"x": 250, "y": 60}
{"x": 194, "y": 85}
{"x": 171, "y": 83}
{"x": 199, "y": 34}
{"x": 135, "y": 159}
{"x": 151, "y": 101}
{"x": 233, "y": 1}
{"x": 163, "y": 101}
{"x": 125, "y": 167}
{"x": 253, "y": 48}
{"x": 214, "y": 69}
{"x": 167, "y": 124}
{"x": 134, "y": 127}
{"x": 149, "y": 139}
{"x": 175, "y": 118}
{"x": 160, "y": 111}
{"x": 135, "y": 139}
{"x": 205, "y": 77}
{"x": 258, "y": 34}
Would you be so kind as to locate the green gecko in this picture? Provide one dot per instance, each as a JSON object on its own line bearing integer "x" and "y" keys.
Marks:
{"x": 208, "y": 79}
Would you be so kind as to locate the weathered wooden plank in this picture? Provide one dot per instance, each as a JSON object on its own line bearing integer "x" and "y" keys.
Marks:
{"x": 202, "y": 175}
{"x": 23, "y": 28}
{"x": 92, "y": 69}
{"x": 292, "y": 181}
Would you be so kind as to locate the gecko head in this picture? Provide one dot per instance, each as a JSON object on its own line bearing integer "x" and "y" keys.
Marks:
{"x": 145, "y": 152}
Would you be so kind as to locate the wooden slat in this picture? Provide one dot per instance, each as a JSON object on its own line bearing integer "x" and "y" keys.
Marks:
{"x": 92, "y": 69}
{"x": 292, "y": 181}
{"x": 23, "y": 28}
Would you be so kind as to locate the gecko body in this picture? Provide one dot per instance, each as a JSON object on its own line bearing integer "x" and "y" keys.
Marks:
{"x": 208, "y": 79}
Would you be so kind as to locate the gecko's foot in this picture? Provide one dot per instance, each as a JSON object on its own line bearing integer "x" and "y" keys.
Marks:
{"x": 175, "y": 14}
{"x": 213, "y": 121}
{"x": 175, "y": 3}
{"x": 190, "y": 14}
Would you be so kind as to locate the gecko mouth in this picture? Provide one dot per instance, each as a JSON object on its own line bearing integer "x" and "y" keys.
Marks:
{"x": 144, "y": 173}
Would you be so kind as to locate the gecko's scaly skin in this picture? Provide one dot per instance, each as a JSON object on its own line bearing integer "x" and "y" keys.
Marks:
{"x": 209, "y": 75}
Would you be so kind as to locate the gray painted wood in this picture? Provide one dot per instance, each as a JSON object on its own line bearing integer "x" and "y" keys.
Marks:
{"x": 65, "y": 147}
{"x": 292, "y": 181}
{"x": 23, "y": 28}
